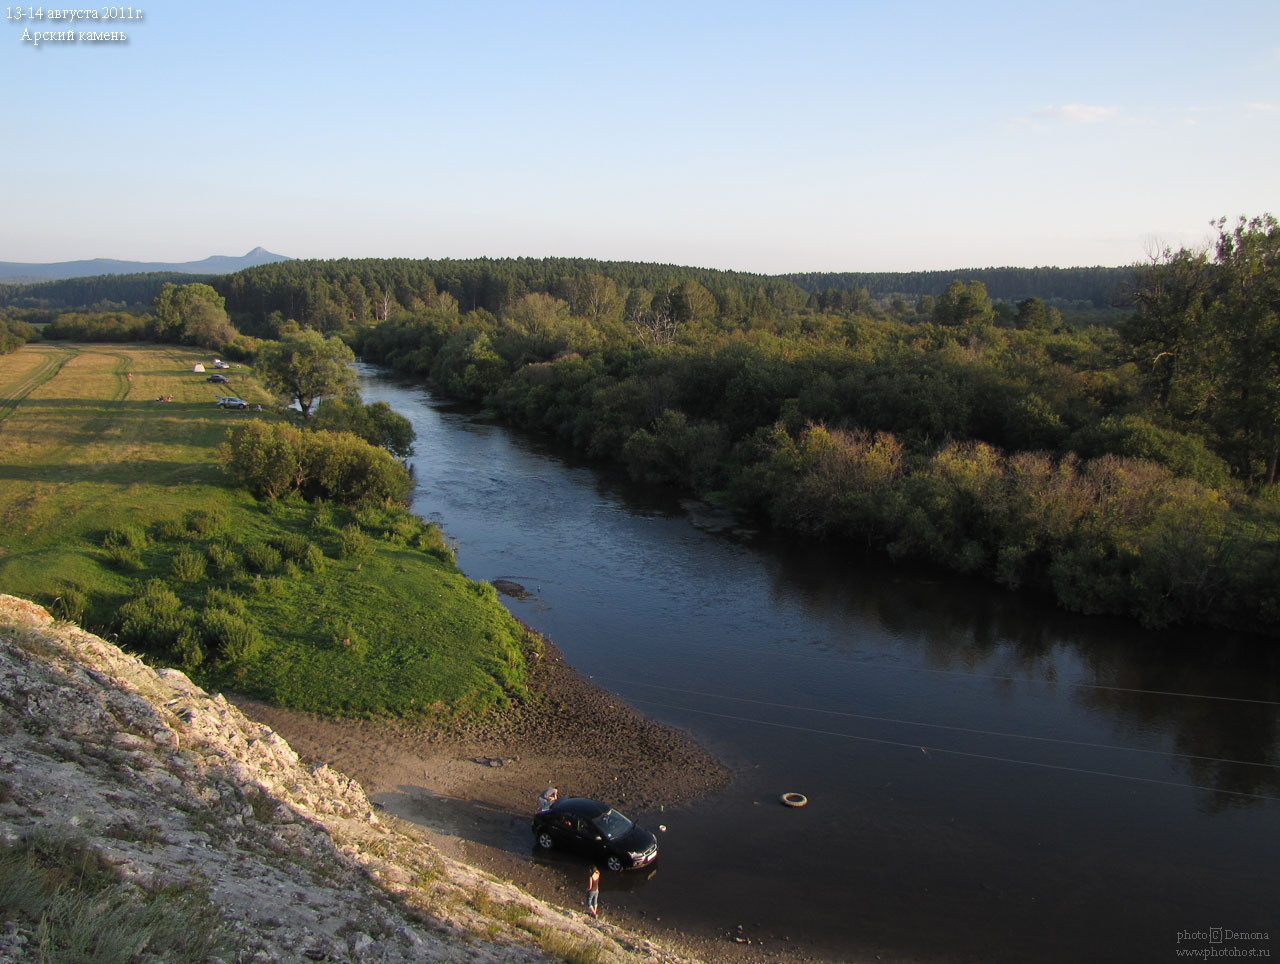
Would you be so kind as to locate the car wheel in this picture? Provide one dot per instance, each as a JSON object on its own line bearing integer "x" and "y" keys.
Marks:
{"x": 614, "y": 863}
{"x": 546, "y": 841}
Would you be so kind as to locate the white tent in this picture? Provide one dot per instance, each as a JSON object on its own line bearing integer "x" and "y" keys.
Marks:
{"x": 198, "y": 367}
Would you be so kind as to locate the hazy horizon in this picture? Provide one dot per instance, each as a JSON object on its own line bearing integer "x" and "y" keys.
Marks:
{"x": 169, "y": 261}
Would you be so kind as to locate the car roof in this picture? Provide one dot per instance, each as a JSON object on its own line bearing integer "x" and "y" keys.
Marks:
{"x": 580, "y": 806}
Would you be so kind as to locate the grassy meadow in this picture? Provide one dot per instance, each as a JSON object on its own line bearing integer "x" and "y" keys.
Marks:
{"x": 114, "y": 512}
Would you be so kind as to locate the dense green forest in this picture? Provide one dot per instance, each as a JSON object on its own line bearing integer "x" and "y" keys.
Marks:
{"x": 1087, "y": 287}
{"x": 109, "y": 291}
{"x": 491, "y": 284}
{"x": 1123, "y": 467}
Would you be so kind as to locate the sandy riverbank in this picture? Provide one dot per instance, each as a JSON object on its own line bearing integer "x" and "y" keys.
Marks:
{"x": 474, "y": 787}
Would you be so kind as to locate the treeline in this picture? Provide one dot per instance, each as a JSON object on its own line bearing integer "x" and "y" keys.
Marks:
{"x": 14, "y": 333}
{"x": 189, "y": 314}
{"x": 1095, "y": 287}
{"x": 107, "y": 292}
{"x": 335, "y": 295}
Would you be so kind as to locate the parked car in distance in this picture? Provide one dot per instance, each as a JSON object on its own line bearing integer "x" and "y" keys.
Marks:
{"x": 216, "y": 378}
{"x": 596, "y": 831}
{"x": 230, "y": 401}
{"x": 219, "y": 363}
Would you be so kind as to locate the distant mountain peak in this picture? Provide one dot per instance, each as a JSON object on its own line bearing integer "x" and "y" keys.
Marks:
{"x": 11, "y": 271}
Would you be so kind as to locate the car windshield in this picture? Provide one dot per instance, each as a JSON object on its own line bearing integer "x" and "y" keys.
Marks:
{"x": 612, "y": 824}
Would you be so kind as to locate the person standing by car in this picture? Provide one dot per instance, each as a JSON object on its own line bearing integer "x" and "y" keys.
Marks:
{"x": 548, "y": 797}
{"x": 593, "y": 892}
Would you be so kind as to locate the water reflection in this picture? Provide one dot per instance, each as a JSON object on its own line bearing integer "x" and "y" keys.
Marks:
{"x": 1217, "y": 709}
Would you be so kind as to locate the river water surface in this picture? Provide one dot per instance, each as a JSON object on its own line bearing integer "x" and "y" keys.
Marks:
{"x": 989, "y": 779}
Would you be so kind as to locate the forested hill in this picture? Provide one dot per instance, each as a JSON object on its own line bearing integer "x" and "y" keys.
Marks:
{"x": 1101, "y": 287}
{"x": 351, "y": 288}
{"x": 301, "y": 289}
{"x": 107, "y": 289}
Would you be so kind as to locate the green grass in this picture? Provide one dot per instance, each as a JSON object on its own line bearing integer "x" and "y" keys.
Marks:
{"x": 80, "y": 910}
{"x": 103, "y": 489}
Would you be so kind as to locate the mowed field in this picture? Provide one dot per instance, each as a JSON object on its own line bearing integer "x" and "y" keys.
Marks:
{"x": 84, "y": 447}
{"x": 374, "y": 618}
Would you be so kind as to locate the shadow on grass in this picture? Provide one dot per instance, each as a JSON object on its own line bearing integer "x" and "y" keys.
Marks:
{"x": 93, "y": 408}
{"x": 142, "y": 472}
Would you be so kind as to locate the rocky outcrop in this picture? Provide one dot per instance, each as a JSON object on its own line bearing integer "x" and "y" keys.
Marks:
{"x": 176, "y": 788}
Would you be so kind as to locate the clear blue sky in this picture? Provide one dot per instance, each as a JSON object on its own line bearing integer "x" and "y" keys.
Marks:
{"x": 755, "y": 136}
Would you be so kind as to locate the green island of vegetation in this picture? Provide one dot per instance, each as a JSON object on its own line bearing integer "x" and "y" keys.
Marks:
{"x": 118, "y": 511}
{"x": 1108, "y": 437}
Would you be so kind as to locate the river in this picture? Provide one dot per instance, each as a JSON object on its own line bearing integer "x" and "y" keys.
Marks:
{"x": 988, "y": 778}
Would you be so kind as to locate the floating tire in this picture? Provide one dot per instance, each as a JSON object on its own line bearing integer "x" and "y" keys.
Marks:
{"x": 794, "y": 799}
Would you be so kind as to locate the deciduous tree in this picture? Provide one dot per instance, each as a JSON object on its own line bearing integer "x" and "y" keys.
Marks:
{"x": 306, "y": 366}
{"x": 194, "y": 314}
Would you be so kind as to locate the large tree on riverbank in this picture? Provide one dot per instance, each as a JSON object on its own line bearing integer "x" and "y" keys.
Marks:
{"x": 1206, "y": 337}
{"x": 306, "y": 365}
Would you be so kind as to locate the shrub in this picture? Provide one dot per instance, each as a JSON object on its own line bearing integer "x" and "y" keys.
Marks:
{"x": 129, "y": 536}
{"x": 233, "y": 638}
{"x": 484, "y": 591}
{"x": 154, "y": 618}
{"x": 187, "y": 651}
{"x": 173, "y": 530}
{"x": 274, "y": 460}
{"x": 69, "y": 604}
{"x": 349, "y": 470}
{"x": 223, "y": 558}
{"x": 204, "y": 522}
{"x": 432, "y": 541}
{"x": 377, "y": 424}
{"x": 268, "y": 586}
{"x": 124, "y": 545}
{"x": 354, "y": 544}
{"x": 292, "y": 547}
{"x": 261, "y": 557}
{"x": 217, "y": 598}
{"x": 265, "y": 458}
{"x": 322, "y": 514}
{"x": 1135, "y": 437}
{"x": 313, "y": 559}
{"x": 188, "y": 565}
{"x": 369, "y": 517}
{"x": 125, "y": 558}
{"x": 274, "y": 508}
